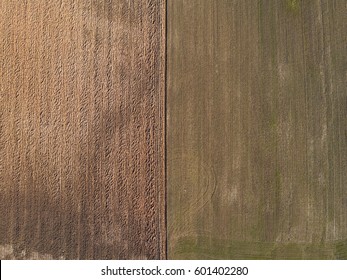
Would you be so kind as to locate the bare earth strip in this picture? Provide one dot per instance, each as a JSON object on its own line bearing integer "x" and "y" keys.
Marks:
{"x": 257, "y": 129}
{"x": 82, "y": 121}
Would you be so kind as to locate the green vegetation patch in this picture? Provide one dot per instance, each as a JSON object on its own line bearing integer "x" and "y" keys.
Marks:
{"x": 293, "y": 5}
{"x": 202, "y": 247}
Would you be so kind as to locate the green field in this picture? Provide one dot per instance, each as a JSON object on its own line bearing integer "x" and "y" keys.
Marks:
{"x": 257, "y": 125}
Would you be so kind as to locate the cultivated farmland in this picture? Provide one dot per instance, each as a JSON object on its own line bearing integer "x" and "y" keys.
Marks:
{"x": 257, "y": 129}
{"x": 82, "y": 129}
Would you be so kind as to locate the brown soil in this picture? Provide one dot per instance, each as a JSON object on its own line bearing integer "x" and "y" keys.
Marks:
{"x": 82, "y": 143}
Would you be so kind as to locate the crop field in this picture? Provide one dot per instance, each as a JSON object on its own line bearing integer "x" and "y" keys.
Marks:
{"x": 257, "y": 129}
{"x": 82, "y": 121}
{"x": 179, "y": 129}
